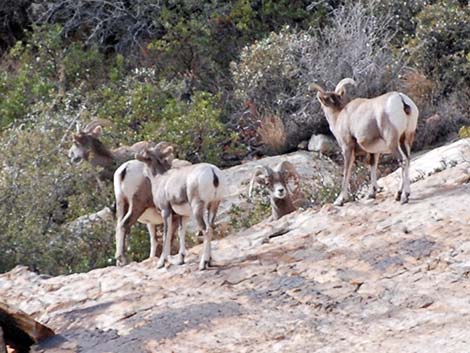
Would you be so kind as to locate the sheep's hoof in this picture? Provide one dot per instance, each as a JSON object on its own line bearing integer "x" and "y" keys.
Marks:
{"x": 204, "y": 264}
{"x": 398, "y": 196}
{"x": 404, "y": 198}
{"x": 180, "y": 260}
{"x": 121, "y": 261}
{"x": 339, "y": 201}
{"x": 371, "y": 194}
{"x": 161, "y": 263}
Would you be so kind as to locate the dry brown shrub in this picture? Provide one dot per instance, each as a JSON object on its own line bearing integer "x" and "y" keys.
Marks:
{"x": 272, "y": 134}
{"x": 418, "y": 86}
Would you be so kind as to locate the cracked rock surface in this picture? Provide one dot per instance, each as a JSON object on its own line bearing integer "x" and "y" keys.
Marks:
{"x": 372, "y": 276}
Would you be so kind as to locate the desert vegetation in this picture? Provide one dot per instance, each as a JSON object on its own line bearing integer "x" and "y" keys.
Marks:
{"x": 222, "y": 81}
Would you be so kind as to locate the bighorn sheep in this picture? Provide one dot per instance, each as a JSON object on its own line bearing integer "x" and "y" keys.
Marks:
{"x": 180, "y": 193}
{"x": 87, "y": 146}
{"x": 132, "y": 189}
{"x": 384, "y": 124}
{"x": 276, "y": 181}
{"x": 134, "y": 203}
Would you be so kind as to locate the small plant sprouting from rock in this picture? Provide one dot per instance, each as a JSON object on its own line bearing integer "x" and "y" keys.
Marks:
{"x": 258, "y": 208}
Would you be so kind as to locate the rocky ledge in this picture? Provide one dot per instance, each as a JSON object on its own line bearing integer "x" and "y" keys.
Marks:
{"x": 371, "y": 276}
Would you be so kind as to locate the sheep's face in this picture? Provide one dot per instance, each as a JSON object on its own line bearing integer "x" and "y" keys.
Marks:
{"x": 330, "y": 100}
{"x": 83, "y": 143}
{"x": 279, "y": 190}
{"x": 81, "y": 146}
{"x": 275, "y": 183}
{"x": 157, "y": 159}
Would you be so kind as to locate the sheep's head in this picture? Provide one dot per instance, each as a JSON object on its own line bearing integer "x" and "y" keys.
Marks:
{"x": 157, "y": 158}
{"x": 86, "y": 140}
{"x": 334, "y": 100}
{"x": 276, "y": 180}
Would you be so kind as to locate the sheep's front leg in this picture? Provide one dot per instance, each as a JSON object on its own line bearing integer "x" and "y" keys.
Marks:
{"x": 348, "y": 154}
{"x": 167, "y": 216}
{"x": 153, "y": 239}
{"x": 182, "y": 239}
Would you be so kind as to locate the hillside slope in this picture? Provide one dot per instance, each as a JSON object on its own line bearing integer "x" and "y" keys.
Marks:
{"x": 371, "y": 276}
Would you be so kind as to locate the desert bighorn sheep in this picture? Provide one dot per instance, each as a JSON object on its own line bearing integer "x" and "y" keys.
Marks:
{"x": 384, "y": 124}
{"x": 134, "y": 203}
{"x": 132, "y": 190}
{"x": 276, "y": 181}
{"x": 87, "y": 146}
{"x": 180, "y": 193}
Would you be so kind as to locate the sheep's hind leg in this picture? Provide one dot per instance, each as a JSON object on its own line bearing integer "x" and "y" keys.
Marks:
{"x": 348, "y": 154}
{"x": 183, "y": 222}
{"x": 403, "y": 192}
{"x": 167, "y": 233}
{"x": 406, "y": 151}
{"x": 212, "y": 209}
{"x": 123, "y": 228}
{"x": 373, "y": 161}
{"x": 198, "y": 208}
{"x": 121, "y": 210}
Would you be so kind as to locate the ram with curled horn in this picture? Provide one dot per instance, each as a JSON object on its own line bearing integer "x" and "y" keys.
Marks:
{"x": 276, "y": 182}
{"x": 384, "y": 124}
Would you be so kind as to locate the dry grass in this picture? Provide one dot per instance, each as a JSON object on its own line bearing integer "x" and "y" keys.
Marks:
{"x": 418, "y": 86}
{"x": 272, "y": 134}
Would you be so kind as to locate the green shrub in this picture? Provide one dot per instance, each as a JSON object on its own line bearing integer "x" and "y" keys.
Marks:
{"x": 464, "y": 132}
{"x": 257, "y": 209}
{"x": 41, "y": 193}
{"x": 441, "y": 48}
{"x": 193, "y": 126}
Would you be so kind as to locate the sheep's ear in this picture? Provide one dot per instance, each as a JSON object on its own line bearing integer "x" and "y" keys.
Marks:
{"x": 143, "y": 156}
{"x": 168, "y": 151}
{"x": 97, "y": 131}
{"x": 77, "y": 137}
{"x": 323, "y": 98}
{"x": 166, "y": 155}
{"x": 262, "y": 179}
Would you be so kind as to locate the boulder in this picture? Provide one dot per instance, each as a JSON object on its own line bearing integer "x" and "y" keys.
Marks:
{"x": 19, "y": 330}
{"x": 323, "y": 144}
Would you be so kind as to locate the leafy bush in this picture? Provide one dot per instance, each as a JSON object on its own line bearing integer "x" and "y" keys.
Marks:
{"x": 193, "y": 126}
{"x": 442, "y": 44}
{"x": 41, "y": 193}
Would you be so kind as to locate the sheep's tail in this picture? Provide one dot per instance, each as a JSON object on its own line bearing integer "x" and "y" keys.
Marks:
{"x": 406, "y": 106}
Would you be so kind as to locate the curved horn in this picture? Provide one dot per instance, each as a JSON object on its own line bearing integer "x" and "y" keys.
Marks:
{"x": 314, "y": 86}
{"x": 340, "y": 86}
{"x": 265, "y": 170}
{"x": 164, "y": 148}
{"x": 95, "y": 123}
